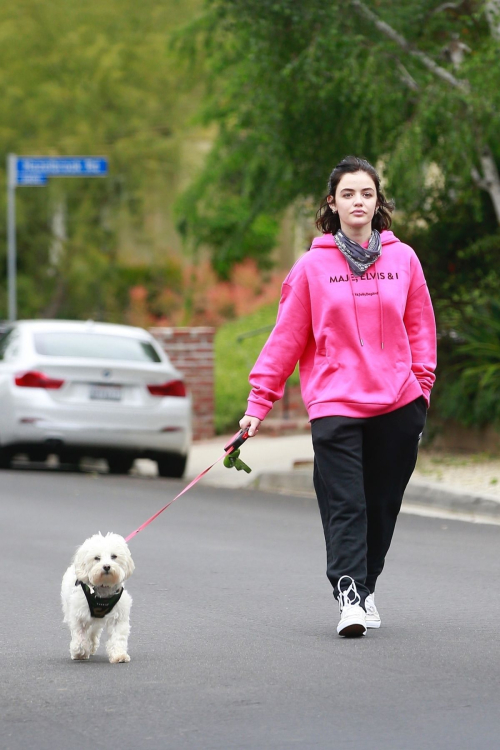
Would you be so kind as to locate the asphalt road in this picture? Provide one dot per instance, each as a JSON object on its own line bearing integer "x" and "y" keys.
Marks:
{"x": 233, "y": 639}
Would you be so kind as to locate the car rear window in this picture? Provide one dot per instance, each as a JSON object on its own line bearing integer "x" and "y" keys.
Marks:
{"x": 94, "y": 346}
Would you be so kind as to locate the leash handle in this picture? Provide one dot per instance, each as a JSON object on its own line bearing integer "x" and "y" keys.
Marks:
{"x": 237, "y": 441}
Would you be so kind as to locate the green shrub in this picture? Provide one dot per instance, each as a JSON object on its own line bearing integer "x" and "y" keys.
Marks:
{"x": 469, "y": 380}
{"x": 234, "y": 359}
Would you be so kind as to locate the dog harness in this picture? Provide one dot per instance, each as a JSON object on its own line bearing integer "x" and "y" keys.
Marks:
{"x": 99, "y": 606}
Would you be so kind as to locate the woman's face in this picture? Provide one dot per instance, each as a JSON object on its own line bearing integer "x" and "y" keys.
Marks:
{"x": 355, "y": 200}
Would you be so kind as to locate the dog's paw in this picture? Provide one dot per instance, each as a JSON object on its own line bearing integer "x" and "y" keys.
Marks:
{"x": 79, "y": 650}
{"x": 80, "y": 656}
{"x": 119, "y": 658}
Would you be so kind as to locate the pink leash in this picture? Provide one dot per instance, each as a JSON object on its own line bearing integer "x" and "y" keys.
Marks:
{"x": 233, "y": 444}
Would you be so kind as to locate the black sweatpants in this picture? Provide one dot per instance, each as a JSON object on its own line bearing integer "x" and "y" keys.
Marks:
{"x": 361, "y": 469}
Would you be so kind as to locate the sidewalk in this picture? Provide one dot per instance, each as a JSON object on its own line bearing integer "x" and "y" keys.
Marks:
{"x": 464, "y": 487}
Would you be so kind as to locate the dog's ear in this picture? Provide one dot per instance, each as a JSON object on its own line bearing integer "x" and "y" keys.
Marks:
{"x": 79, "y": 563}
{"x": 129, "y": 563}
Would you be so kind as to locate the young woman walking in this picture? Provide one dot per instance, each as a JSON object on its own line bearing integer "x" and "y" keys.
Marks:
{"x": 355, "y": 312}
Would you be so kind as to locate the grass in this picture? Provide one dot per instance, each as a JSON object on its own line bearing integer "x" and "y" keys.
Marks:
{"x": 233, "y": 361}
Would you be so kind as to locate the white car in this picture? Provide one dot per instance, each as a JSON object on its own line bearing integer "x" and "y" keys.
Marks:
{"x": 76, "y": 389}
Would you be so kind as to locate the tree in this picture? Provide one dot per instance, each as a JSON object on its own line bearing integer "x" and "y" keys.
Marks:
{"x": 473, "y": 107}
{"x": 91, "y": 78}
{"x": 295, "y": 86}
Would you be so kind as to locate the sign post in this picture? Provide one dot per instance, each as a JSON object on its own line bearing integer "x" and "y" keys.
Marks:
{"x": 11, "y": 236}
{"x": 25, "y": 171}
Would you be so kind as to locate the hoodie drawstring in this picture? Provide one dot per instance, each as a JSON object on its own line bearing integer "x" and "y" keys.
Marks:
{"x": 349, "y": 273}
{"x": 380, "y": 308}
{"x": 381, "y": 313}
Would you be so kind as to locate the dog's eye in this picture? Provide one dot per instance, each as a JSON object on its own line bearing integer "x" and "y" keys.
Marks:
{"x": 97, "y": 558}
{"x": 113, "y": 557}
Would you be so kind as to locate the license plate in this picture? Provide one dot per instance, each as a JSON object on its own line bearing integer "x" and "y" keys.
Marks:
{"x": 105, "y": 392}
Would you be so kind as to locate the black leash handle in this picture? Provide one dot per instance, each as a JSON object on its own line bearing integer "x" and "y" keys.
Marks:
{"x": 237, "y": 441}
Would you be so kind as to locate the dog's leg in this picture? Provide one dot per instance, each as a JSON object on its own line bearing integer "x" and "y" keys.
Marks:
{"x": 95, "y": 636}
{"x": 80, "y": 647}
{"x": 117, "y": 644}
{"x": 118, "y": 626}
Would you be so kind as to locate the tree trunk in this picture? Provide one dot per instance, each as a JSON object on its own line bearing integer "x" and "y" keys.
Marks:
{"x": 59, "y": 234}
{"x": 492, "y": 10}
{"x": 489, "y": 180}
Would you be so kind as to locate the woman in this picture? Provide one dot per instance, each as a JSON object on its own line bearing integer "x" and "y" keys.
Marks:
{"x": 355, "y": 312}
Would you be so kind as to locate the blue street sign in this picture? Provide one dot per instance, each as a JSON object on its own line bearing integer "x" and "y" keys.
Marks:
{"x": 26, "y": 178}
{"x": 35, "y": 170}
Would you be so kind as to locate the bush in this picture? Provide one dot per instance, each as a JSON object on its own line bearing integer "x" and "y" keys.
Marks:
{"x": 194, "y": 296}
{"x": 234, "y": 358}
{"x": 468, "y": 386}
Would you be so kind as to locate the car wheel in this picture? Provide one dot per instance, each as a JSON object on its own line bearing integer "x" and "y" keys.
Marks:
{"x": 120, "y": 464}
{"x": 69, "y": 457}
{"x": 171, "y": 465}
{"x": 5, "y": 458}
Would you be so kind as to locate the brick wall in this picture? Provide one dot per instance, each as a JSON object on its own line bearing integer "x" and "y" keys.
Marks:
{"x": 191, "y": 351}
{"x": 291, "y": 405}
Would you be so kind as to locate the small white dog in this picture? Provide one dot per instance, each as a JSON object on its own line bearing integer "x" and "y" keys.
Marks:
{"x": 93, "y": 596}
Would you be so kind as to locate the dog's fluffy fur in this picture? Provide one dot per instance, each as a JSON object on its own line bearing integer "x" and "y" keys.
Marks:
{"x": 103, "y": 563}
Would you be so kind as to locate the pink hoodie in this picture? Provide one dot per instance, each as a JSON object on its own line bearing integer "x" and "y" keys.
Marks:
{"x": 366, "y": 344}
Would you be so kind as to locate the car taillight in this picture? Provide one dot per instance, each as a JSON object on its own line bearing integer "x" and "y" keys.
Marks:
{"x": 172, "y": 388}
{"x": 34, "y": 379}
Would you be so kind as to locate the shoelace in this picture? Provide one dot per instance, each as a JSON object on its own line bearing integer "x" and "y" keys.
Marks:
{"x": 344, "y": 596}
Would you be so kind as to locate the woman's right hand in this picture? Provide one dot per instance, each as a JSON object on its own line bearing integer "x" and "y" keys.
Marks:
{"x": 252, "y": 423}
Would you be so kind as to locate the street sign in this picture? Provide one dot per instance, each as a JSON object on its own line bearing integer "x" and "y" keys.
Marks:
{"x": 33, "y": 171}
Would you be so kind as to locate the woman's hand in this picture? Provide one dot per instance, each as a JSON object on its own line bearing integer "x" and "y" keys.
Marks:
{"x": 252, "y": 423}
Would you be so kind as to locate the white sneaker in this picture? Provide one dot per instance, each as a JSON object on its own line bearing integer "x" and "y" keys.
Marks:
{"x": 372, "y": 616}
{"x": 352, "y": 615}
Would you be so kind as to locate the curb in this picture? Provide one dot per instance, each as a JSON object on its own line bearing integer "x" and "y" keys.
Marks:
{"x": 419, "y": 495}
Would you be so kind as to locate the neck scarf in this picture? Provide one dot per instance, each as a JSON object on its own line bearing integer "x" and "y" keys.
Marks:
{"x": 359, "y": 258}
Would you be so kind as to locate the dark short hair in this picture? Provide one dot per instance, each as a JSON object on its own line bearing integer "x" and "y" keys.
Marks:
{"x": 329, "y": 222}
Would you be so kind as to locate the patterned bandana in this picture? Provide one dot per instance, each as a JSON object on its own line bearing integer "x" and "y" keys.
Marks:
{"x": 358, "y": 257}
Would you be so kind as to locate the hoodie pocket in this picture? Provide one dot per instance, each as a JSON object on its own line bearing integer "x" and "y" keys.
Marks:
{"x": 356, "y": 378}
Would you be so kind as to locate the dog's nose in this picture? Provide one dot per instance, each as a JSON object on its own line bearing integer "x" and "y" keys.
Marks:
{"x": 106, "y": 568}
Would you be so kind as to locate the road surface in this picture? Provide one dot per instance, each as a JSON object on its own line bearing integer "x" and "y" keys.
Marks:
{"x": 233, "y": 640}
